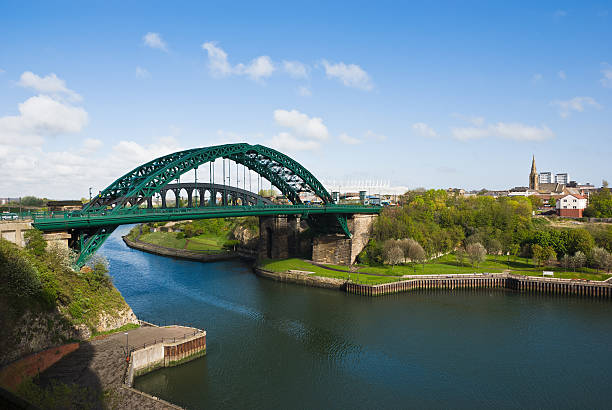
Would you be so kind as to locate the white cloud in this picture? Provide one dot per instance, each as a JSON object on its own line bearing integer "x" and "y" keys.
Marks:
{"x": 577, "y": 104}
{"x": 219, "y": 66}
{"x": 513, "y": 131}
{"x": 347, "y": 139}
{"x": 68, "y": 174}
{"x": 559, "y": 13}
{"x": 302, "y": 124}
{"x": 295, "y": 69}
{"x": 562, "y": 75}
{"x": 134, "y": 154}
{"x": 284, "y": 141}
{"x": 351, "y": 75}
{"x": 606, "y": 80}
{"x": 2, "y": 71}
{"x": 304, "y": 91}
{"x": 41, "y": 116}
{"x": 49, "y": 84}
{"x": 91, "y": 145}
{"x": 536, "y": 77}
{"x": 424, "y": 130}
{"x": 154, "y": 40}
{"x": 142, "y": 72}
{"x": 260, "y": 67}
{"x": 378, "y": 137}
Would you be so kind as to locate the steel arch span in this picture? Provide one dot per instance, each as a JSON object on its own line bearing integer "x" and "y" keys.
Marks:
{"x": 122, "y": 201}
{"x": 133, "y": 188}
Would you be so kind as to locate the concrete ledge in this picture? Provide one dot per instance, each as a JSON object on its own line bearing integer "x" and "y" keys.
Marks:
{"x": 302, "y": 279}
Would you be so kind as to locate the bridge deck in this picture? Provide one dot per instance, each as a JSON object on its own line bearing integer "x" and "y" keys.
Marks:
{"x": 79, "y": 220}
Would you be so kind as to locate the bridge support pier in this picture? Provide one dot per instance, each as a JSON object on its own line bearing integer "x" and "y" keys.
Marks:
{"x": 279, "y": 237}
{"x": 340, "y": 250}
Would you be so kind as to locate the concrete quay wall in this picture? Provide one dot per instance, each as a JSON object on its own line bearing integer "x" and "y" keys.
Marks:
{"x": 508, "y": 281}
{"x": 165, "y": 354}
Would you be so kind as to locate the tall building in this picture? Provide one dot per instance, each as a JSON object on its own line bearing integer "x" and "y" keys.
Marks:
{"x": 534, "y": 183}
{"x": 562, "y": 178}
{"x": 545, "y": 177}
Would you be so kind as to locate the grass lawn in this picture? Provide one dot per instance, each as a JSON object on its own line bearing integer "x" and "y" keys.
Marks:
{"x": 445, "y": 265}
{"x": 167, "y": 239}
{"x": 589, "y": 274}
{"x": 208, "y": 242}
{"x": 204, "y": 242}
{"x": 283, "y": 265}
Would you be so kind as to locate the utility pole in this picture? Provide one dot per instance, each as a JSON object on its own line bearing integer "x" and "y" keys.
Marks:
{"x": 89, "y": 194}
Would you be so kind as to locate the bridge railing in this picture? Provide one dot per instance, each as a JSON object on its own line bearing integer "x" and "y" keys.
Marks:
{"x": 174, "y": 211}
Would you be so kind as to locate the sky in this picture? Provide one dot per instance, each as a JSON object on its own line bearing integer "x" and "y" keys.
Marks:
{"x": 435, "y": 95}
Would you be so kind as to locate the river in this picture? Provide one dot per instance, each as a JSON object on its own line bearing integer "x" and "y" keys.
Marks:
{"x": 276, "y": 346}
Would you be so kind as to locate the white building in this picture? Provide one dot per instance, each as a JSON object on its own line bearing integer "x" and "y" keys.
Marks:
{"x": 562, "y": 178}
{"x": 545, "y": 177}
{"x": 571, "y": 206}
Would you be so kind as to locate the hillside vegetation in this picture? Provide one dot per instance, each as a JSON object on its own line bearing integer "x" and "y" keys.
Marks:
{"x": 44, "y": 302}
{"x": 440, "y": 223}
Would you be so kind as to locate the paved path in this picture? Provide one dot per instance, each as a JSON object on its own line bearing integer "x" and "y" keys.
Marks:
{"x": 99, "y": 366}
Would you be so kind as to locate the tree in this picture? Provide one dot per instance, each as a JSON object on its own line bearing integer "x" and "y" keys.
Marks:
{"x": 550, "y": 256}
{"x": 578, "y": 260}
{"x": 32, "y": 201}
{"x": 417, "y": 255}
{"x": 494, "y": 247}
{"x": 460, "y": 255}
{"x": 552, "y": 202}
{"x": 35, "y": 242}
{"x": 600, "y": 258}
{"x": 476, "y": 252}
{"x": 393, "y": 254}
{"x": 566, "y": 262}
{"x": 538, "y": 253}
{"x": 514, "y": 249}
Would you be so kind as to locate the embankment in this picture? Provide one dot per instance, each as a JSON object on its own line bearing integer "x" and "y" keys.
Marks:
{"x": 553, "y": 286}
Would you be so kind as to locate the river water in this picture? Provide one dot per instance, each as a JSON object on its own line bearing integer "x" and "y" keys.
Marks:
{"x": 278, "y": 346}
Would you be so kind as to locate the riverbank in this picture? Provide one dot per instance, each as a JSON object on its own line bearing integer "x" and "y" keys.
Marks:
{"x": 309, "y": 275}
{"x": 202, "y": 256}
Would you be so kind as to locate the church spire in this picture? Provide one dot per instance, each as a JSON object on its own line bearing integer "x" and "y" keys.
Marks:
{"x": 534, "y": 180}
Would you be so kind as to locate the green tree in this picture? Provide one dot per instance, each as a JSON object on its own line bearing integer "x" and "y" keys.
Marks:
{"x": 600, "y": 204}
{"x": 35, "y": 242}
{"x": 539, "y": 255}
{"x": 32, "y": 201}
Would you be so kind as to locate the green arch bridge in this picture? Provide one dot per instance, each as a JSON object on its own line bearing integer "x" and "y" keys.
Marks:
{"x": 125, "y": 201}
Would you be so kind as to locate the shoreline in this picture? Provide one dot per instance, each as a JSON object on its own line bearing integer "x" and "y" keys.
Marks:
{"x": 182, "y": 253}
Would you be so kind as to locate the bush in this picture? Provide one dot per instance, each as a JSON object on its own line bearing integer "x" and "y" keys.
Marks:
{"x": 180, "y": 235}
{"x": 18, "y": 277}
{"x": 231, "y": 244}
{"x": 35, "y": 242}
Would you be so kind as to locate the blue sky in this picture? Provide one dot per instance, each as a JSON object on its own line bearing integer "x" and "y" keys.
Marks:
{"x": 417, "y": 95}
